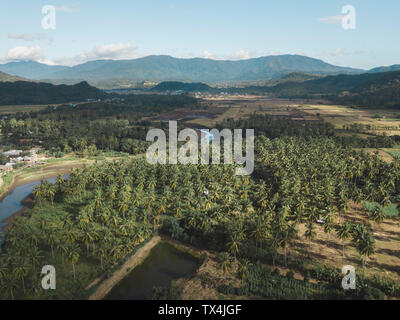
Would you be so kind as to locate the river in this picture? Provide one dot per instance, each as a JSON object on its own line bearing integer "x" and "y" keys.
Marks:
{"x": 11, "y": 204}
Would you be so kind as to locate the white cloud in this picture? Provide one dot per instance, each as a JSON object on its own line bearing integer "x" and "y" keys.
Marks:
{"x": 332, "y": 19}
{"x": 242, "y": 55}
{"x": 208, "y": 55}
{"x": 23, "y": 53}
{"x": 26, "y": 36}
{"x": 337, "y": 52}
{"x": 117, "y": 51}
{"x": 239, "y": 55}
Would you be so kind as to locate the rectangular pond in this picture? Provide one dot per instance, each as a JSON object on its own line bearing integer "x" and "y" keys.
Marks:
{"x": 164, "y": 264}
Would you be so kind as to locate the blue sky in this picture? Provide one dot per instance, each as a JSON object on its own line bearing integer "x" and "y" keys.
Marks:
{"x": 219, "y": 29}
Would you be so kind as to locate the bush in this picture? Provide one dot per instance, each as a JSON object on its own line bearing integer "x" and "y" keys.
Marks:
{"x": 371, "y": 293}
{"x": 276, "y": 273}
{"x": 166, "y": 293}
{"x": 307, "y": 277}
{"x": 4, "y": 159}
{"x": 290, "y": 275}
{"x": 389, "y": 211}
{"x": 226, "y": 289}
{"x": 243, "y": 291}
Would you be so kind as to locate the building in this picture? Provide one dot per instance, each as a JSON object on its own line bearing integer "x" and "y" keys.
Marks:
{"x": 12, "y": 153}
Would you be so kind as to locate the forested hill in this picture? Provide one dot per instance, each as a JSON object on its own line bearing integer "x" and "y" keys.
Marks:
{"x": 395, "y": 67}
{"x": 368, "y": 89}
{"x": 337, "y": 84}
{"x": 23, "y": 92}
{"x": 181, "y": 86}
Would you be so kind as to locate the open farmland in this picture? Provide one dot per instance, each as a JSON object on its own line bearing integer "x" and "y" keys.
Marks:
{"x": 380, "y": 122}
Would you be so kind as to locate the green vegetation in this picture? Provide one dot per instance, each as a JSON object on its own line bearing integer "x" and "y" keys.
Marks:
{"x": 378, "y": 90}
{"x": 182, "y": 86}
{"x": 90, "y": 127}
{"x": 304, "y": 179}
{"x": 4, "y": 159}
{"x": 374, "y": 208}
{"x": 23, "y": 92}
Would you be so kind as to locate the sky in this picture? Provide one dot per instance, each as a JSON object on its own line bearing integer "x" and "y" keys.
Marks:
{"x": 219, "y": 29}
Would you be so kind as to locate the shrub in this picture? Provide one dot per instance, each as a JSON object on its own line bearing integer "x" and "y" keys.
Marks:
{"x": 307, "y": 277}
{"x": 243, "y": 291}
{"x": 290, "y": 275}
{"x": 371, "y": 293}
{"x": 227, "y": 289}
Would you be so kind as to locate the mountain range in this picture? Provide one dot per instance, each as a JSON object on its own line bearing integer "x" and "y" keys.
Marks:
{"x": 167, "y": 68}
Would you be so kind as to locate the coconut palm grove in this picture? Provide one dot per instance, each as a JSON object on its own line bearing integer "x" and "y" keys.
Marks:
{"x": 187, "y": 152}
{"x": 259, "y": 229}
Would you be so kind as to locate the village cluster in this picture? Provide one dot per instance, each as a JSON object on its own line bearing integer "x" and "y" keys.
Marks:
{"x": 28, "y": 158}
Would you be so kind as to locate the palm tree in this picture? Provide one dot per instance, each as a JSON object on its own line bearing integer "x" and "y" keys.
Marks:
{"x": 377, "y": 215}
{"x": 73, "y": 254}
{"x": 245, "y": 264}
{"x": 259, "y": 232}
{"x": 10, "y": 286}
{"x": 363, "y": 241}
{"x": 344, "y": 233}
{"x": 21, "y": 268}
{"x": 51, "y": 240}
{"x": 3, "y": 270}
{"x": 310, "y": 234}
{"x": 34, "y": 256}
{"x": 224, "y": 261}
{"x": 101, "y": 252}
{"x": 235, "y": 242}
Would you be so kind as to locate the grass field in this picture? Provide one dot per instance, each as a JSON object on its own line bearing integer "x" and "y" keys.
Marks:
{"x": 21, "y": 108}
{"x": 382, "y": 121}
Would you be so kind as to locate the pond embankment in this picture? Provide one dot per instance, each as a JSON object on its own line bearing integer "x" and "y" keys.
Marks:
{"x": 106, "y": 286}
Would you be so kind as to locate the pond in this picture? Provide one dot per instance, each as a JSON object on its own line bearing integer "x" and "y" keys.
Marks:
{"x": 164, "y": 264}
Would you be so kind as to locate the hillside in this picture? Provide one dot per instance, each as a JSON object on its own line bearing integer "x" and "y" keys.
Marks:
{"x": 30, "y": 69}
{"x": 395, "y": 67}
{"x": 167, "y": 68}
{"x": 22, "y": 92}
{"x": 4, "y": 77}
{"x": 369, "y": 89}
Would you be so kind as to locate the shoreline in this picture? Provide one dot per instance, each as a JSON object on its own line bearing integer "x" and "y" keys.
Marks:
{"x": 27, "y": 203}
{"x": 18, "y": 180}
{"x": 44, "y": 172}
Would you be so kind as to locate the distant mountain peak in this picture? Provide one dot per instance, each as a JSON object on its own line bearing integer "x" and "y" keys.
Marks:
{"x": 167, "y": 68}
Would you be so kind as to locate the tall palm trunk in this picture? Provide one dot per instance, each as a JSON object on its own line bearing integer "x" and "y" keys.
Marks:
{"x": 343, "y": 250}
{"x": 23, "y": 285}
